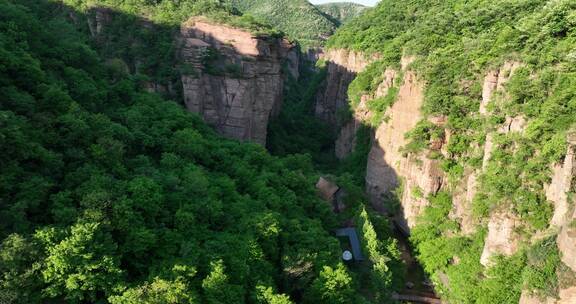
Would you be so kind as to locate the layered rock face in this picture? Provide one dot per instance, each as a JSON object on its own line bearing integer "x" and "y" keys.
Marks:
{"x": 564, "y": 180}
{"x": 557, "y": 191}
{"x": 342, "y": 67}
{"x": 502, "y": 237}
{"x": 238, "y": 101}
{"x": 503, "y": 225}
{"x": 388, "y": 168}
{"x": 332, "y": 98}
{"x": 464, "y": 193}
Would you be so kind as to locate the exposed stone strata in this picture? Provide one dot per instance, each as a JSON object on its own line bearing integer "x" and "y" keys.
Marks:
{"x": 465, "y": 191}
{"x": 494, "y": 81}
{"x": 512, "y": 124}
{"x": 502, "y": 235}
{"x": 346, "y": 141}
{"x": 563, "y": 181}
{"x": 237, "y": 106}
{"x": 98, "y": 18}
{"x": 462, "y": 203}
{"x": 565, "y": 296}
{"x": 342, "y": 66}
{"x": 387, "y": 164}
{"x": 528, "y": 298}
{"x": 567, "y": 244}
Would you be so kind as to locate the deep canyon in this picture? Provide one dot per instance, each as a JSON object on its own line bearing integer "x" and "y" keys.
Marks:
{"x": 189, "y": 152}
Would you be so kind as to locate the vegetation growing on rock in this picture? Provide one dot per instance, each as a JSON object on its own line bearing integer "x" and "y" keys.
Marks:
{"x": 112, "y": 194}
{"x": 342, "y": 12}
{"x": 456, "y": 43}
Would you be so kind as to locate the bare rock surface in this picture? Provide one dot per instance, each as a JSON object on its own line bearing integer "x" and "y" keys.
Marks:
{"x": 494, "y": 81}
{"x": 346, "y": 141}
{"x": 528, "y": 298}
{"x": 462, "y": 203}
{"x": 342, "y": 67}
{"x": 388, "y": 165}
{"x": 567, "y": 246}
{"x": 557, "y": 191}
{"x": 567, "y": 295}
{"x": 238, "y": 102}
{"x": 502, "y": 236}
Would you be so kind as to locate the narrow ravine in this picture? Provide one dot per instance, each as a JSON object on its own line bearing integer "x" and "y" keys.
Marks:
{"x": 310, "y": 123}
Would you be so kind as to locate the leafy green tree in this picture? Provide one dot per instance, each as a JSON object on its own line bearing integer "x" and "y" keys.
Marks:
{"x": 175, "y": 290}
{"x": 334, "y": 285}
{"x": 83, "y": 264}
{"x": 266, "y": 295}
{"x": 217, "y": 288}
{"x": 19, "y": 281}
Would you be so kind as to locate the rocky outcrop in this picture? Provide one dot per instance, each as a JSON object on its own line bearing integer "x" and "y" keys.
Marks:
{"x": 388, "y": 167}
{"x": 342, "y": 66}
{"x": 565, "y": 296}
{"x": 557, "y": 191}
{"x": 494, "y": 81}
{"x": 567, "y": 244}
{"x": 528, "y": 298}
{"x": 462, "y": 203}
{"x": 564, "y": 181}
{"x": 465, "y": 191}
{"x": 502, "y": 235}
{"x": 346, "y": 140}
{"x": 239, "y": 100}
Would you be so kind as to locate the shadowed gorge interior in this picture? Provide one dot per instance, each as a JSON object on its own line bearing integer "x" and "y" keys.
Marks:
{"x": 276, "y": 152}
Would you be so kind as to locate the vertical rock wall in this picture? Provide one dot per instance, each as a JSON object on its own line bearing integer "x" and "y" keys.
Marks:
{"x": 238, "y": 101}
{"x": 388, "y": 167}
{"x": 564, "y": 181}
{"x": 342, "y": 67}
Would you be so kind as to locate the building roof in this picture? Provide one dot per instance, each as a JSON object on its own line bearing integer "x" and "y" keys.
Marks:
{"x": 327, "y": 188}
{"x": 354, "y": 241}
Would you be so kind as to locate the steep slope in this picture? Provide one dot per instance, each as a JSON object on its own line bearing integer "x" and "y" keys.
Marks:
{"x": 472, "y": 107}
{"x": 237, "y": 82}
{"x": 227, "y": 68}
{"x": 297, "y": 18}
{"x": 342, "y": 11}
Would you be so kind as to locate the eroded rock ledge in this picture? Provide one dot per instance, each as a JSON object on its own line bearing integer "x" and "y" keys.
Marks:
{"x": 238, "y": 99}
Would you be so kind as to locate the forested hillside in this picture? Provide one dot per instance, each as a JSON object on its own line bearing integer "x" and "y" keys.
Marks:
{"x": 342, "y": 12}
{"x": 112, "y": 194}
{"x": 498, "y": 119}
{"x": 297, "y": 18}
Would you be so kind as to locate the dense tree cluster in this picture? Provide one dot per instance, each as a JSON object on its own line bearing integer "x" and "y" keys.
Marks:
{"x": 298, "y": 18}
{"x": 111, "y": 194}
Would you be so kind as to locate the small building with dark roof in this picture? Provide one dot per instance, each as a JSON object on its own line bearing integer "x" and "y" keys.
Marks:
{"x": 354, "y": 242}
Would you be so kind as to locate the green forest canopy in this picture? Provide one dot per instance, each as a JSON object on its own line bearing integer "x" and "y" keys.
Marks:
{"x": 299, "y": 19}
{"x": 342, "y": 12}
{"x": 111, "y": 194}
